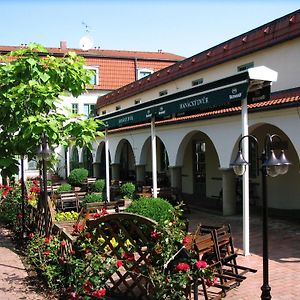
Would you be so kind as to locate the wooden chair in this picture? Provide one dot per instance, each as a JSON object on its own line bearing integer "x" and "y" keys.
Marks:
{"x": 67, "y": 201}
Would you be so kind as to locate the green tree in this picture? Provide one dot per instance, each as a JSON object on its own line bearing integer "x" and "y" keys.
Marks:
{"x": 31, "y": 83}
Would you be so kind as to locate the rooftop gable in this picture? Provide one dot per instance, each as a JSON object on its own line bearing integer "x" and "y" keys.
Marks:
{"x": 267, "y": 35}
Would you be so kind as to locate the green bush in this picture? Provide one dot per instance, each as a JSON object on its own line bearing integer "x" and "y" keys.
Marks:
{"x": 91, "y": 198}
{"x": 65, "y": 187}
{"x": 127, "y": 190}
{"x": 156, "y": 209}
{"x": 78, "y": 176}
{"x": 98, "y": 186}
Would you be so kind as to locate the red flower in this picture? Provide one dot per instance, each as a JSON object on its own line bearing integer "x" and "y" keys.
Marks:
{"x": 77, "y": 228}
{"x": 96, "y": 215}
{"x": 201, "y": 264}
{"x": 31, "y": 235}
{"x": 99, "y": 293}
{"x": 154, "y": 234}
{"x": 63, "y": 243}
{"x": 187, "y": 240}
{"x": 46, "y": 252}
{"x": 104, "y": 211}
{"x": 88, "y": 235}
{"x": 128, "y": 256}
{"x": 87, "y": 286}
{"x": 61, "y": 259}
{"x": 47, "y": 240}
{"x": 73, "y": 252}
{"x": 19, "y": 215}
{"x": 182, "y": 267}
{"x": 119, "y": 264}
{"x": 211, "y": 282}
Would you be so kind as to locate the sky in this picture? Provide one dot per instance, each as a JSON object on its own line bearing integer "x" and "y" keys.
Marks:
{"x": 184, "y": 27}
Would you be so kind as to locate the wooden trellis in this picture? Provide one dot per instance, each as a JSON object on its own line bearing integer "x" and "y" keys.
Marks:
{"x": 127, "y": 237}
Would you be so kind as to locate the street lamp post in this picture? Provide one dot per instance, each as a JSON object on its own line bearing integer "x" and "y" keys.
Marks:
{"x": 44, "y": 153}
{"x": 271, "y": 166}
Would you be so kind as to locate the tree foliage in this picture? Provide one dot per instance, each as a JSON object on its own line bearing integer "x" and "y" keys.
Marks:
{"x": 31, "y": 85}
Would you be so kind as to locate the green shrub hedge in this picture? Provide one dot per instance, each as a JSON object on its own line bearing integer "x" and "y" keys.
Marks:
{"x": 98, "y": 186}
{"x": 65, "y": 187}
{"x": 127, "y": 190}
{"x": 156, "y": 209}
{"x": 90, "y": 198}
{"x": 78, "y": 176}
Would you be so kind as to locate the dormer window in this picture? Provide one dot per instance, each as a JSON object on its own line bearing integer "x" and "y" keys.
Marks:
{"x": 163, "y": 93}
{"x": 118, "y": 107}
{"x": 95, "y": 74}
{"x": 141, "y": 73}
{"x": 137, "y": 101}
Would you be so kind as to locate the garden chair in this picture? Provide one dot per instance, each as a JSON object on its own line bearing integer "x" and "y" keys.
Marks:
{"x": 67, "y": 201}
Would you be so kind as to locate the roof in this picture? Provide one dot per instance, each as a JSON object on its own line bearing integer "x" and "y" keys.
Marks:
{"x": 102, "y": 53}
{"x": 281, "y": 99}
{"x": 270, "y": 34}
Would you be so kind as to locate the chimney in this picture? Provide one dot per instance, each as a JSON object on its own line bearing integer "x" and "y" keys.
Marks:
{"x": 63, "y": 45}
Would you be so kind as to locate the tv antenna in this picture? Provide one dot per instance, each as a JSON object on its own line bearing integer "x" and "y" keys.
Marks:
{"x": 86, "y": 42}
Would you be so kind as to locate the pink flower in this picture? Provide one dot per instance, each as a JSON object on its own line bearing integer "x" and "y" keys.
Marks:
{"x": 73, "y": 295}
{"x": 99, "y": 293}
{"x": 63, "y": 243}
{"x": 119, "y": 264}
{"x": 19, "y": 215}
{"x": 182, "y": 267}
{"x": 201, "y": 264}
{"x": 31, "y": 235}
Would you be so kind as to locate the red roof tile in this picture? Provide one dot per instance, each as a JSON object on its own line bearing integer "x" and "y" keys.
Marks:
{"x": 277, "y": 31}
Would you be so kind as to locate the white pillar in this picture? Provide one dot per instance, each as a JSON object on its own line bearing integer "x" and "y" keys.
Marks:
{"x": 228, "y": 195}
{"x": 107, "y": 167}
{"x": 154, "y": 159}
{"x": 68, "y": 161}
{"x": 245, "y": 131}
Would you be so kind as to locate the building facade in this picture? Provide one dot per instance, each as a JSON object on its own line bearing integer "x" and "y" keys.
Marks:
{"x": 194, "y": 148}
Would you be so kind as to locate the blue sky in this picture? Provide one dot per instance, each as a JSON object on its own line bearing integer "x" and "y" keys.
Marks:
{"x": 183, "y": 27}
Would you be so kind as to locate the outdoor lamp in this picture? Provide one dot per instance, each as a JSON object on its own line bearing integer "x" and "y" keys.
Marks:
{"x": 284, "y": 163}
{"x": 239, "y": 164}
{"x": 44, "y": 151}
{"x": 272, "y": 165}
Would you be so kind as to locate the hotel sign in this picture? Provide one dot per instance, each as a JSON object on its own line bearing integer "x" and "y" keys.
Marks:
{"x": 220, "y": 97}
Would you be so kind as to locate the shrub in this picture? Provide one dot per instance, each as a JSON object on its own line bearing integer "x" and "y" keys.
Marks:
{"x": 66, "y": 216}
{"x": 157, "y": 209}
{"x": 78, "y": 176}
{"x": 98, "y": 186}
{"x": 127, "y": 190}
{"x": 65, "y": 187}
{"x": 91, "y": 198}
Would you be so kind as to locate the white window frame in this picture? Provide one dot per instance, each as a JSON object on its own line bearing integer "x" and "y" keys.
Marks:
{"x": 96, "y": 69}
{"x": 144, "y": 70}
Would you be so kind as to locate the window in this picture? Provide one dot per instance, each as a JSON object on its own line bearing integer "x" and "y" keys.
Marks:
{"x": 74, "y": 108}
{"x": 103, "y": 112}
{"x": 118, "y": 107}
{"x": 245, "y": 67}
{"x": 95, "y": 74}
{"x": 89, "y": 110}
{"x": 197, "y": 82}
{"x": 32, "y": 165}
{"x": 163, "y": 93}
{"x": 137, "y": 101}
{"x": 141, "y": 73}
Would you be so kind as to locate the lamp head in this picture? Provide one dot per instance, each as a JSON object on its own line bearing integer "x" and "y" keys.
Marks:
{"x": 239, "y": 164}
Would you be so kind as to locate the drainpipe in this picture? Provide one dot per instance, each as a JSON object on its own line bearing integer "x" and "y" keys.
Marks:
{"x": 135, "y": 69}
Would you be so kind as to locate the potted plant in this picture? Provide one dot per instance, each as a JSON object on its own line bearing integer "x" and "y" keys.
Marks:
{"x": 55, "y": 167}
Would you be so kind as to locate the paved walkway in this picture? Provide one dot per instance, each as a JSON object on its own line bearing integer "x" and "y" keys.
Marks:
{"x": 284, "y": 254}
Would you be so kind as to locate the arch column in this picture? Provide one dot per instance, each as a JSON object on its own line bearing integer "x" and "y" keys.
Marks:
{"x": 228, "y": 187}
{"x": 96, "y": 169}
{"x": 175, "y": 177}
{"x": 140, "y": 173}
{"x": 115, "y": 171}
